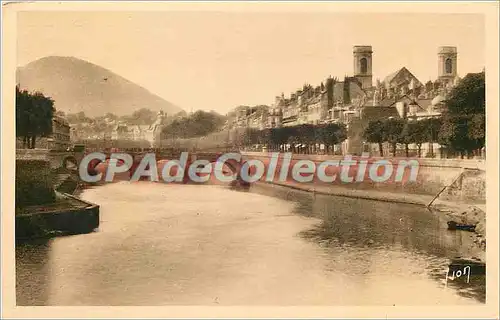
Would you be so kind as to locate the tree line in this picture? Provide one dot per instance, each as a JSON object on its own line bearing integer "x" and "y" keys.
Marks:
{"x": 306, "y": 134}
{"x": 461, "y": 129}
{"x": 34, "y": 113}
{"x": 399, "y": 131}
{"x": 197, "y": 124}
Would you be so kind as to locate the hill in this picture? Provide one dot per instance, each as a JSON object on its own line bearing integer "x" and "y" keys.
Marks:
{"x": 77, "y": 85}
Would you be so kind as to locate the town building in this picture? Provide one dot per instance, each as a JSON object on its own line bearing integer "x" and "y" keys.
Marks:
{"x": 363, "y": 65}
{"x": 447, "y": 65}
{"x": 60, "y": 137}
{"x": 150, "y": 133}
{"x": 258, "y": 117}
{"x": 355, "y": 100}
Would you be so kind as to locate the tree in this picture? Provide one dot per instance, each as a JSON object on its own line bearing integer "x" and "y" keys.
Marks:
{"x": 294, "y": 141}
{"x": 454, "y": 133}
{"x": 78, "y": 117}
{"x": 331, "y": 134}
{"x": 416, "y": 133}
{"x": 110, "y": 116}
{"x": 141, "y": 117}
{"x": 430, "y": 129}
{"x": 463, "y": 127}
{"x": 374, "y": 133}
{"x": 253, "y": 136}
{"x": 406, "y": 137}
{"x": 278, "y": 137}
{"x": 264, "y": 137}
{"x": 198, "y": 124}
{"x": 429, "y": 86}
{"x": 392, "y": 129}
{"x": 23, "y": 106}
{"x": 468, "y": 97}
{"x": 34, "y": 113}
{"x": 477, "y": 129}
{"x": 305, "y": 134}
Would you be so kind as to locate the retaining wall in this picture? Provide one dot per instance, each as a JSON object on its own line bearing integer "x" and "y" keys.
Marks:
{"x": 34, "y": 182}
{"x": 465, "y": 179}
{"x": 66, "y": 218}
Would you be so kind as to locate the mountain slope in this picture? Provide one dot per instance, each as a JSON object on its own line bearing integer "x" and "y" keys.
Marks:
{"x": 77, "y": 85}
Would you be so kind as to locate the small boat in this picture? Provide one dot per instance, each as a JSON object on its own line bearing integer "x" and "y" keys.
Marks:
{"x": 452, "y": 225}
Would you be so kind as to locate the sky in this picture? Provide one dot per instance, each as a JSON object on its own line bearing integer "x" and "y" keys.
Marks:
{"x": 219, "y": 60}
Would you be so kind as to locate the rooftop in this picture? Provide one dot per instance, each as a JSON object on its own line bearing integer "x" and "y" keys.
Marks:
{"x": 362, "y": 48}
{"x": 447, "y": 49}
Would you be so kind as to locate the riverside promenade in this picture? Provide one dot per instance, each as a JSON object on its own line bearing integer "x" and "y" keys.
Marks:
{"x": 444, "y": 179}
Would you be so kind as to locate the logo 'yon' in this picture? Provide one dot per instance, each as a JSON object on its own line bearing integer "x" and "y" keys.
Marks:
{"x": 230, "y": 167}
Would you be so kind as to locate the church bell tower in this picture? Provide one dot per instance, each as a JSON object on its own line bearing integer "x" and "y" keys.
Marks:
{"x": 447, "y": 64}
{"x": 363, "y": 65}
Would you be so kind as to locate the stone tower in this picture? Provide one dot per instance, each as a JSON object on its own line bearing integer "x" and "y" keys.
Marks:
{"x": 363, "y": 65}
{"x": 447, "y": 64}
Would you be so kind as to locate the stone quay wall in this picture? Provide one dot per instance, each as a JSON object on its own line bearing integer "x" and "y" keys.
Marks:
{"x": 40, "y": 212}
{"x": 451, "y": 179}
{"x": 34, "y": 180}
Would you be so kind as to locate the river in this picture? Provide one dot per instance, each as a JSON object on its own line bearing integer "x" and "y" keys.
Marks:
{"x": 170, "y": 244}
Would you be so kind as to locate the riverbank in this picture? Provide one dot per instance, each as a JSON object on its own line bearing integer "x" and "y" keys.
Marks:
{"x": 451, "y": 211}
{"x": 45, "y": 206}
{"x": 416, "y": 199}
{"x": 68, "y": 215}
{"x": 466, "y": 213}
{"x": 454, "y": 189}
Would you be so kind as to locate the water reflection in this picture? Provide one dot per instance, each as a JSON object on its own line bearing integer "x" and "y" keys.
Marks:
{"x": 370, "y": 229}
{"x": 208, "y": 245}
{"x": 32, "y": 273}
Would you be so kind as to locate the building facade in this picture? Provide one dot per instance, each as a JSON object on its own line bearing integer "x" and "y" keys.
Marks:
{"x": 60, "y": 138}
{"x": 355, "y": 100}
{"x": 447, "y": 64}
{"x": 363, "y": 65}
{"x": 150, "y": 133}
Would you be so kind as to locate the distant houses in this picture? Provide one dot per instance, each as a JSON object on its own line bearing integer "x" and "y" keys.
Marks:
{"x": 355, "y": 100}
{"x": 352, "y": 100}
{"x": 121, "y": 131}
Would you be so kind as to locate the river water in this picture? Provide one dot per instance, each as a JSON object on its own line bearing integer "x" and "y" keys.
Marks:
{"x": 167, "y": 244}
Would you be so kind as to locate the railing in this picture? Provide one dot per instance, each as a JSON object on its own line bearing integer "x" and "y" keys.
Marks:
{"x": 474, "y": 164}
{"x": 38, "y": 154}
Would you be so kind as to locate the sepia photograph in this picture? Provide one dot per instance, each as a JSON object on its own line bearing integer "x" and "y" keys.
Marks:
{"x": 250, "y": 155}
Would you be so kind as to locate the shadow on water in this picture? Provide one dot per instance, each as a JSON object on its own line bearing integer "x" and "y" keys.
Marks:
{"x": 32, "y": 273}
{"x": 472, "y": 288}
{"x": 382, "y": 226}
{"x": 357, "y": 229}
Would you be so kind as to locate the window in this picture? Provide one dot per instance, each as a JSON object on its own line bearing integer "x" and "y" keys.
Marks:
{"x": 448, "y": 66}
{"x": 364, "y": 65}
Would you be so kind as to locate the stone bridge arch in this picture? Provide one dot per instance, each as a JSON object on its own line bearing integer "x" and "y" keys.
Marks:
{"x": 232, "y": 164}
{"x": 63, "y": 159}
{"x": 70, "y": 162}
{"x": 235, "y": 166}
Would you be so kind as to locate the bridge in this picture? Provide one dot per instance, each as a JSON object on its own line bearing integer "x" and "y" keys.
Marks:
{"x": 57, "y": 159}
{"x": 72, "y": 160}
